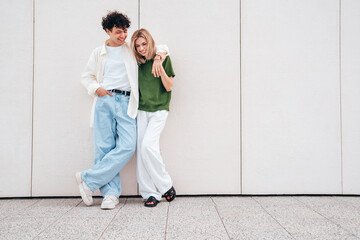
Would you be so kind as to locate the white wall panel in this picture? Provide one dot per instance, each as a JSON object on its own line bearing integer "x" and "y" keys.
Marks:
{"x": 16, "y": 97}
{"x": 350, "y": 99}
{"x": 201, "y": 141}
{"x": 66, "y": 32}
{"x": 290, "y": 96}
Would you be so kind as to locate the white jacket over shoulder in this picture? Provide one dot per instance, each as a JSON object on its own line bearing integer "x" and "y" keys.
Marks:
{"x": 94, "y": 72}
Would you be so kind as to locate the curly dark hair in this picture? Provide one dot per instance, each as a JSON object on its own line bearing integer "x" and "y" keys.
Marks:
{"x": 115, "y": 19}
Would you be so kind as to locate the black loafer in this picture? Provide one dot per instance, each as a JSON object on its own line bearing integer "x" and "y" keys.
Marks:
{"x": 151, "y": 202}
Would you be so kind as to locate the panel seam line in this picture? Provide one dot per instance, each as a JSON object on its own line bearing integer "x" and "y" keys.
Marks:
{"x": 32, "y": 99}
{"x": 241, "y": 123}
{"x": 341, "y": 118}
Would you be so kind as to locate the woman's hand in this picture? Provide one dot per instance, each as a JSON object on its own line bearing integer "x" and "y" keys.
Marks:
{"x": 102, "y": 92}
{"x": 158, "y": 60}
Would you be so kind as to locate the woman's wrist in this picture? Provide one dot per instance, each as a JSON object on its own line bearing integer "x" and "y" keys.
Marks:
{"x": 157, "y": 57}
{"x": 162, "y": 72}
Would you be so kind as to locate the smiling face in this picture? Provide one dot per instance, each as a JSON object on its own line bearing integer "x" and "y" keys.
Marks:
{"x": 117, "y": 36}
{"x": 141, "y": 46}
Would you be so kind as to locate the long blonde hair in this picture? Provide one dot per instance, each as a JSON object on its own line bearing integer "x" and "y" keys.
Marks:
{"x": 151, "y": 51}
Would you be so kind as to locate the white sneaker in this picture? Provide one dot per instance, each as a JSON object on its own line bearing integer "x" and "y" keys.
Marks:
{"x": 109, "y": 202}
{"x": 85, "y": 191}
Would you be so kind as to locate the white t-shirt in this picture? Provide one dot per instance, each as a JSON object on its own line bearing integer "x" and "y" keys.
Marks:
{"x": 115, "y": 74}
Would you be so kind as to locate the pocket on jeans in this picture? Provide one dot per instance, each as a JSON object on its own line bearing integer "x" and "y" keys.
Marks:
{"x": 100, "y": 101}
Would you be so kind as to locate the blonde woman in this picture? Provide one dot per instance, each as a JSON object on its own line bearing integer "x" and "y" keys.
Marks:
{"x": 154, "y": 99}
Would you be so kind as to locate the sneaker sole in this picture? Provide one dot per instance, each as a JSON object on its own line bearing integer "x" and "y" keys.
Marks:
{"x": 108, "y": 207}
{"x": 81, "y": 190}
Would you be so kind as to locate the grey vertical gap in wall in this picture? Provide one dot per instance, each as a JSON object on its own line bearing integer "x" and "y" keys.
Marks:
{"x": 137, "y": 185}
{"x": 241, "y": 173}
{"x": 341, "y": 124}
{"x": 32, "y": 97}
{"x": 139, "y": 14}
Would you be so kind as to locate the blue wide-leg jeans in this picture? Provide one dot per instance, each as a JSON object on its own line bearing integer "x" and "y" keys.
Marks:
{"x": 114, "y": 141}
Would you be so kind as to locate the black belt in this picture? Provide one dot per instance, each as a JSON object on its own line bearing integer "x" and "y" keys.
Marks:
{"x": 126, "y": 93}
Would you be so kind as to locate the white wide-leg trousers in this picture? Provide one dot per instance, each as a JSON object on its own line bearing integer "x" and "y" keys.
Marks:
{"x": 152, "y": 177}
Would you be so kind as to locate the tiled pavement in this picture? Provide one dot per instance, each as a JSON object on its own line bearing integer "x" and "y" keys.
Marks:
{"x": 185, "y": 218}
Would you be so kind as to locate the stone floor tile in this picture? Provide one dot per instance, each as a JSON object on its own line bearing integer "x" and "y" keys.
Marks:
{"x": 135, "y": 221}
{"x": 185, "y": 221}
{"x": 246, "y": 202}
{"x": 76, "y": 228}
{"x": 343, "y": 213}
{"x": 185, "y": 218}
{"x": 47, "y": 208}
{"x": 24, "y": 227}
{"x": 320, "y": 230}
{"x": 82, "y": 222}
{"x": 94, "y": 211}
{"x": 303, "y": 223}
{"x": 35, "y": 219}
{"x": 269, "y": 201}
{"x": 48, "y": 204}
{"x": 318, "y": 200}
{"x": 251, "y": 223}
{"x": 192, "y": 201}
{"x": 10, "y": 207}
{"x": 355, "y": 201}
{"x": 127, "y": 235}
